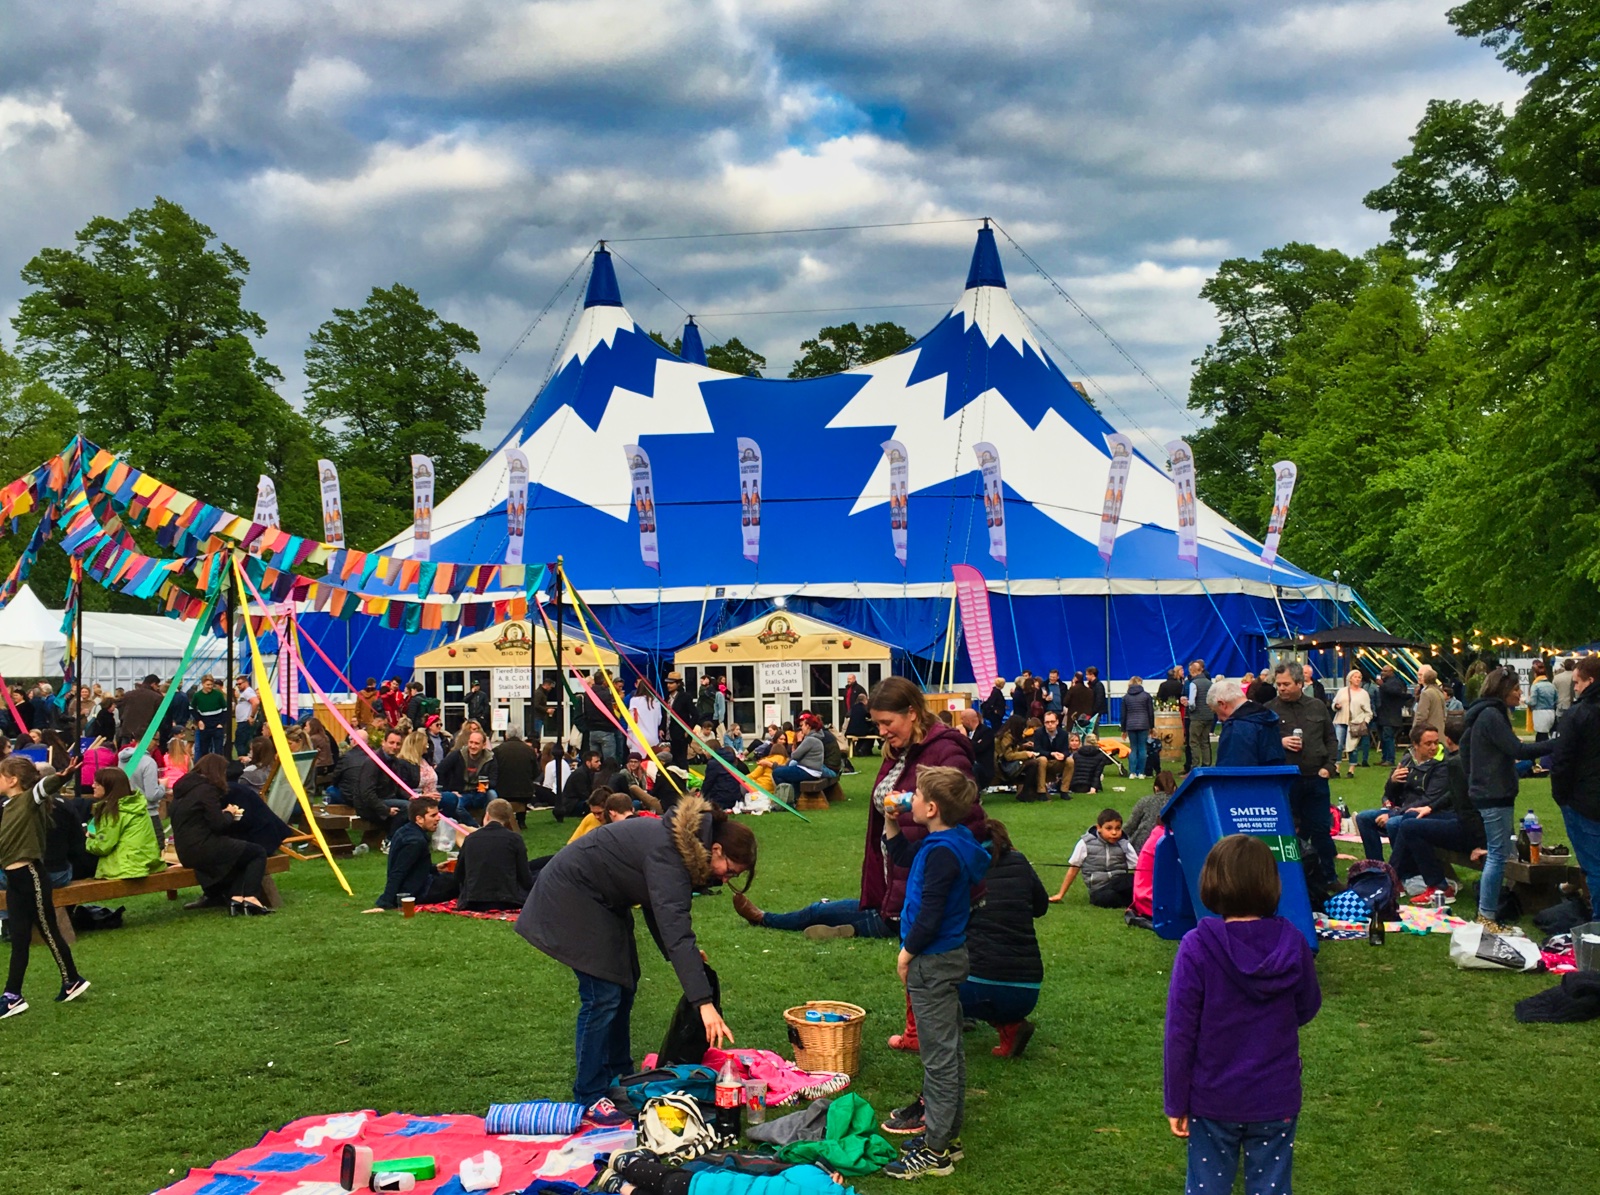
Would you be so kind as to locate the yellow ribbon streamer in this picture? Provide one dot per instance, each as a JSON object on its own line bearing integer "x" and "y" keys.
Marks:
{"x": 269, "y": 711}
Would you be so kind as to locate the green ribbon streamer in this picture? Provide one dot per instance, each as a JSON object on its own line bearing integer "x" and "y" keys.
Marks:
{"x": 200, "y": 625}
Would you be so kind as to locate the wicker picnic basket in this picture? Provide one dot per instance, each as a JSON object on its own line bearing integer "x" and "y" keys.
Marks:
{"x": 826, "y": 1045}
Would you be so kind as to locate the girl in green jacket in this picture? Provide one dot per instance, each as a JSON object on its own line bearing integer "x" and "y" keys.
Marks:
{"x": 120, "y": 830}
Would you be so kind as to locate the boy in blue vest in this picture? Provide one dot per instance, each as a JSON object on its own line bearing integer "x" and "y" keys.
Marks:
{"x": 946, "y": 867}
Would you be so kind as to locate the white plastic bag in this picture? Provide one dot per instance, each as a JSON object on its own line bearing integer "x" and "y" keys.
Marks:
{"x": 1472, "y": 947}
{"x": 481, "y": 1173}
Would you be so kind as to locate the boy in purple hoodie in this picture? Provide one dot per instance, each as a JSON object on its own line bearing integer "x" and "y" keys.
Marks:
{"x": 1243, "y": 983}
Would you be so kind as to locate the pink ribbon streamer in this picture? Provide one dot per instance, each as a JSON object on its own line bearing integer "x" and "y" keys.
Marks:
{"x": 16, "y": 714}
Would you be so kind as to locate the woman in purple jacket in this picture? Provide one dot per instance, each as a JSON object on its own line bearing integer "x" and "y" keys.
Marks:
{"x": 1243, "y": 983}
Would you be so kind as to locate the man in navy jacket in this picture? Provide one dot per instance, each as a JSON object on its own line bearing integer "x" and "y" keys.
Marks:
{"x": 1251, "y": 735}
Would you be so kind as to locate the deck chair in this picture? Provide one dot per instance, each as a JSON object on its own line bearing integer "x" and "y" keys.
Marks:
{"x": 281, "y": 800}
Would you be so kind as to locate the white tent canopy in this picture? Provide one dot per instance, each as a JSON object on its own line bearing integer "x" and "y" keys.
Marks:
{"x": 119, "y": 650}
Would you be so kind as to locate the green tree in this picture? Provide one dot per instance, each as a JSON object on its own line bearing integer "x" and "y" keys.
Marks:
{"x": 1503, "y": 211}
{"x": 384, "y": 382}
{"x": 142, "y": 328}
{"x": 1261, "y": 304}
{"x": 35, "y": 423}
{"x": 844, "y": 346}
{"x": 1369, "y": 395}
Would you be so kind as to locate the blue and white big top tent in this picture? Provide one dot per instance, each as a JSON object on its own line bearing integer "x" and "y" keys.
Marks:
{"x": 979, "y": 375}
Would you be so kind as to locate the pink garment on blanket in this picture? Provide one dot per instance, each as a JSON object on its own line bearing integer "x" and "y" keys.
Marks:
{"x": 783, "y": 1078}
{"x": 1559, "y": 962}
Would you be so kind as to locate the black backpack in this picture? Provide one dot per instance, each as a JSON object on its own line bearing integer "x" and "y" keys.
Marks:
{"x": 1376, "y": 882}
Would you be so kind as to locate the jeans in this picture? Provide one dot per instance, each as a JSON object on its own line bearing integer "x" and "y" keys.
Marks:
{"x": 868, "y": 922}
{"x": 1341, "y": 735}
{"x": 1388, "y": 746}
{"x": 1371, "y": 836}
{"x": 1308, "y": 804}
{"x": 1584, "y": 834}
{"x": 469, "y": 803}
{"x": 792, "y": 774}
{"x": 1214, "y": 1148}
{"x": 933, "y": 984}
{"x": 1497, "y": 828}
{"x": 243, "y": 732}
{"x": 210, "y": 741}
{"x": 1362, "y": 752}
{"x": 1412, "y": 843}
{"x": 997, "y": 1003}
{"x": 1138, "y": 743}
{"x": 604, "y": 1046}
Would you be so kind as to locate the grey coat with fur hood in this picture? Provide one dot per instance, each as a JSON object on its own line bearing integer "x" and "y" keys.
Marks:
{"x": 580, "y": 911}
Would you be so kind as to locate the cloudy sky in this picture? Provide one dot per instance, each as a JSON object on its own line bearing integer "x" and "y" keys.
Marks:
{"x": 476, "y": 149}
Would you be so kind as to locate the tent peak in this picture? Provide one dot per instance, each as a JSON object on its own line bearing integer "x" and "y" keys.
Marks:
{"x": 603, "y": 289}
{"x": 693, "y": 349}
{"x": 986, "y": 269}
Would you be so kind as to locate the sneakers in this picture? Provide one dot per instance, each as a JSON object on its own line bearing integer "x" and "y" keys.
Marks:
{"x": 823, "y": 933}
{"x": 609, "y": 1179}
{"x": 71, "y": 991}
{"x": 920, "y": 1163}
{"x": 604, "y": 1114}
{"x": 11, "y": 1005}
{"x": 920, "y": 1141}
{"x": 905, "y": 1121}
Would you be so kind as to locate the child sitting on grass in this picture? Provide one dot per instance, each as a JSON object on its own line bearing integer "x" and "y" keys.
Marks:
{"x": 1243, "y": 983}
{"x": 1107, "y": 861}
{"x": 946, "y": 867}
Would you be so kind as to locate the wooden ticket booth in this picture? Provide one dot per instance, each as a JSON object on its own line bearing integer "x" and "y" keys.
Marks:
{"x": 505, "y": 659}
{"x": 783, "y": 663}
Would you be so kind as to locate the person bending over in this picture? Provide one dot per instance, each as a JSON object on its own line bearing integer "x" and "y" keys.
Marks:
{"x": 492, "y": 865}
{"x": 1106, "y": 860}
{"x": 411, "y": 868}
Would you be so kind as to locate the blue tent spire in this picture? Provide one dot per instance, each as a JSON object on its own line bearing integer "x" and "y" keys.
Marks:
{"x": 693, "y": 351}
{"x": 603, "y": 291}
{"x": 986, "y": 269}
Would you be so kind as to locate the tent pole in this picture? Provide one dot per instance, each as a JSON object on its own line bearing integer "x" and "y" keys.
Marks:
{"x": 233, "y": 596}
{"x": 528, "y": 728}
{"x": 562, "y": 704}
{"x": 77, "y": 666}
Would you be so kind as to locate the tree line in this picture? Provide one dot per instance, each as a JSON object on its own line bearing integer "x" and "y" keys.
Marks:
{"x": 1440, "y": 393}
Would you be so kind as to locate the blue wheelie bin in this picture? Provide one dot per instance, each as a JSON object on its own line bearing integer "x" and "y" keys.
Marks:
{"x": 1210, "y": 804}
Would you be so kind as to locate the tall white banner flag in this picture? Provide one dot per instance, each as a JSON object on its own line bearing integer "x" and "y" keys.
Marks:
{"x": 421, "y": 507}
{"x": 1183, "y": 485}
{"x": 516, "y": 503}
{"x": 899, "y": 492}
{"x": 1121, "y": 449}
{"x": 266, "y": 502}
{"x": 644, "y": 501}
{"x": 332, "y": 506}
{"x": 994, "y": 500}
{"x": 1284, "y": 473}
{"x": 750, "y": 498}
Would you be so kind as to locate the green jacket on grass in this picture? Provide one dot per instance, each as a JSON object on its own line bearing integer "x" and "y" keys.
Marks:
{"x": 126, "y": 843}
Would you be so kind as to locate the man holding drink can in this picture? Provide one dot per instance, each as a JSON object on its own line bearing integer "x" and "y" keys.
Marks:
{"x": 1310, "y": 744}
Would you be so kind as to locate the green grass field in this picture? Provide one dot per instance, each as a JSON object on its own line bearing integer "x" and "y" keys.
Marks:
{"x": 202, "y": 1032}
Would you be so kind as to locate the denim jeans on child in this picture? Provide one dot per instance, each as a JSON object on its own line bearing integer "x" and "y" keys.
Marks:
{"x": 1215, "y": 1146}
{"x": 867, "y": 922}
{"x": 933, "y": 982}
{"x": 1497, "y": 831}
{"x": 604, "y": 1048}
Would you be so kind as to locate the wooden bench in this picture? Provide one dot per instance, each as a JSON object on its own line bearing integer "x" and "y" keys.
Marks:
{"x": 170, "y": 881}
{"x": 338, "y": 819}
{"x": 1537, "y": 885}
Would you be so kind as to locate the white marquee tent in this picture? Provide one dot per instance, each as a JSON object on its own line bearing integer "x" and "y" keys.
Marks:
{"x": 119, "y": 650}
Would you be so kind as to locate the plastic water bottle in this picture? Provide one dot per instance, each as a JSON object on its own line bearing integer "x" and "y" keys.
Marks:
{"x": 1535, "y": 833}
